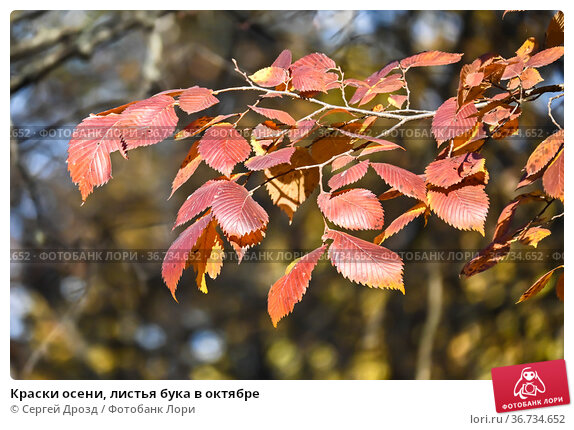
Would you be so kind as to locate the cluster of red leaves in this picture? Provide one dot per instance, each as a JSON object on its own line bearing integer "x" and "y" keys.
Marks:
{"x": 452, "y": 186}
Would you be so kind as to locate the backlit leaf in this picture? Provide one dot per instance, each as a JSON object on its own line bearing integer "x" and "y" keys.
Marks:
{"x": 555, "y": 31}
{"x": 283, "y": 60}
{"x": 149, "y": 121}
{"x": 538, "y": 285}
{"x": 544, "y": 153}
{"x": 206, "y": 257}
{"x": 430, "y": 58}
{"x": 187, "y": 168}
{"x": 401, "y": 222}
{"x": 533, "y": 235}
{"x": 198, "y": 125}
{"x": 291, "y": 287}
{"x": 355, "y": 209}
{"x": 89, "y": 151}
{"x": 450, "y": 122}
{"x": 487, "y": 258}
{"x": 349, "y": 176}
{"x": 364, "y": 262}
{"x": 553, "y": 179}
{"x": 383, "y": 145}
{"x": 279, "y": 115}
{"x": 197, "y": 202}
{"x": 402, "y": 180}
{"x": 548, "y": 56}
{"x": 177, "y": 255}
{"x": 262, "y": 162}
{"x": 270, "y": 76}
{"x": 463, "y": 206}
{"x": 236, "y": 211}
{"x": 451, "y": 171}
{"x": 222, "y": 147}
{"x": 289, "y": 188}
{"x": 196, "y": 99}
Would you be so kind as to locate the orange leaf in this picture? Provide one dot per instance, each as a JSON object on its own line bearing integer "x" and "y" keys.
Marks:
{"x": 538, "y": 285}
{"x": 177, "y": 255}
{"x": 555, "y": 31}
{"x": 544, "y": 153}
{"x": 198, "y": 125}
{"x": 553, "y": 179}
{"x": 196, "y": 99}
{"x": 355, "y": 209}
{"x": 487, "y": 258}
{"x": 533, "y": 235}
{"x": 364, "y": 262}
{"x": 401, "y": 222}
{"x": 291, "y": 287}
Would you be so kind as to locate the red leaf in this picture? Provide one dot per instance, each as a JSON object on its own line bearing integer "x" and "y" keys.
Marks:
{"x": 283, "y": 60}
{"x": 402, "y": 180}
{"x": 355, "y": 209}
{"x": 341, "y": 162}
{"x": 304, "y": 128}
{"x": 262, "y": 162}
{"x": 196, "y": 99}
{"x": 538, "y": 285}
{"x": 463, "y": 206}
{"x": 89, "y": 151}
{"x": 222, "y": 147}
{"x": 430, "y": 58}
{"x": 451, "y": 171}
{"x": 177, "y": 254}
{"x": 364, "y": 262}
{"x": 401, "y": 222}
{"x": 279, "y": 115}
{"x": 544, "y": 152}
{"x": 236, "y": 211}
{"x": 316, "y": 60}
{"x": 349, "y": 176}
{"x": 270, "y": 76}
{"x": 149, "y": 121}
{"x": 387, "y": 85}
{"x": 553, "y": 179}
{"x": 197, "y": 202}
{"x": 198, "y": 125}
{"x": 188, "y": 168}
{"x": 372, "y": 80}
{"x": 548, "y": 56}
{"x": 291, "y": 287}
{"x": 388, "y": 146}
{"x": 448, "y": 123}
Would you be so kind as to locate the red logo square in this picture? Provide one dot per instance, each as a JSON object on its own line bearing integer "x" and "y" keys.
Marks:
{"x": 529, "y": 386}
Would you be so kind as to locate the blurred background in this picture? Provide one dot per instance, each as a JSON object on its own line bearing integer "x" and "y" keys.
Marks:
{"x": 89, "y": 320}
